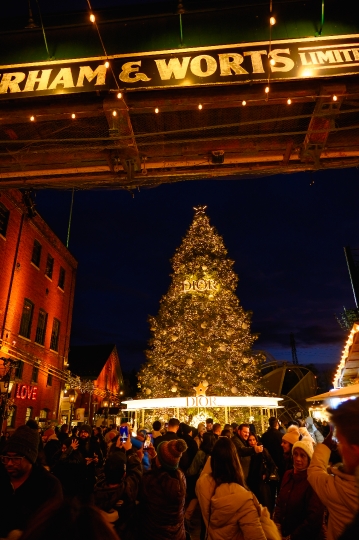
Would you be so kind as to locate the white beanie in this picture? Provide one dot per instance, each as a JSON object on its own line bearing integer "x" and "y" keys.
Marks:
{"x": 305, "y": 444}
{"x": 292, "y": 435}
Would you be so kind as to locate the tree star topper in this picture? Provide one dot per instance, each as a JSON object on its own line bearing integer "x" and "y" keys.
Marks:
{"x": 200, "y": 209}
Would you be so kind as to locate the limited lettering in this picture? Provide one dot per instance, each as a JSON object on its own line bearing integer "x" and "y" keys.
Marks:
{"x": 130, "y": 73}
{"x": 89, "y": 74}
{"x": 173, "y": 68}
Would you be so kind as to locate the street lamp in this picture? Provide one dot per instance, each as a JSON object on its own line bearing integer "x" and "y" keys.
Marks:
{"x": 72, "y": 399}
{"x": 6, "y": 383}
{"x": 105, "y": 404}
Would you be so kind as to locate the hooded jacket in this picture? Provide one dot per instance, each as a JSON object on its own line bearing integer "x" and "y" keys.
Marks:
{"x": 228, "y": 511}
{"x": 336, "y": 489}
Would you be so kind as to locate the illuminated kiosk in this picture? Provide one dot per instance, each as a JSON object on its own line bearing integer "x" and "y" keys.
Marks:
{"x": 266, "y": 405}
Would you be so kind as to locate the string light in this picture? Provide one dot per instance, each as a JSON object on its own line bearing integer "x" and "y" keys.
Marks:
{"x": 266, "y": 89}
{"x": 157, "y": 110}
{"x": 32, "y": 118}
{"x": 335, "y": 98}
{"x": 119, "y": 95}
{"x": 244, "y": 103}
{"x": 200, "y": 107}
{"x": 92, "y": 18}
{"x": 114, "y": 113}
{"x": 107, "y": 65}
{"x": 73, "y": 116}
{"x": 272, "y": 62}
{"x": 272, "y": 21}
{"x": 289, "y": 101}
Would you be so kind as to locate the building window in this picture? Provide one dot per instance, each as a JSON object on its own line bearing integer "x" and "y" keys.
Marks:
{"x": 19, "y": 369}
{"x": 4, "y": 219}
{"x": 43, "y": 416}
{"x": 49, "y": 266}
{"x": 10, "y": 422}
{"x": 26, "y": 319}
{"x": 62, "y": 278}
{"x": 28, "y": 414}
{"x": 54, "y": 344}
{"x": 36, "y": 253}
{"x": 35, "y": 374}
{"x": 49, "y": 379}
{"x": 41, "y": 327}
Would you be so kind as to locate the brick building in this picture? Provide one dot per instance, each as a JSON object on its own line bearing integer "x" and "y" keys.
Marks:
{"x": 101, "y": 365}
{"x": 37, "y": 282}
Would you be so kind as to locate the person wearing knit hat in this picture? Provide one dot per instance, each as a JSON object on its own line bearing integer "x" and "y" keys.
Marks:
{"x": 289, "y": 438}
{"x": 305, "y": 433}
{"x": 299, "y": 511}
{"x": 164, "y": 493}
{"x": 313, "y": 431}
{"x": 25, "y": 485}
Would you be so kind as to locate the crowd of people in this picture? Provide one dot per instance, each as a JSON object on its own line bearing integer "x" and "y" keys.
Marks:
{"x": 297, "y": 482}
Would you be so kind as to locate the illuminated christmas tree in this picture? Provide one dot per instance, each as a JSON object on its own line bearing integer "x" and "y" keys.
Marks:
{"x": 201, "y": 335}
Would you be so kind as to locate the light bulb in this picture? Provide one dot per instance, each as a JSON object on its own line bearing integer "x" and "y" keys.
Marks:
{"x": 272, "y": 62}
{"x": 107, "y": 65}
{"x": 244, "y": 103}
{"x": 157, "y": 110}
{"x": 92, "y": 17}
{"x": 266, "y": 89}
{"x": 335, "y": 98}
{"x": 73, "y": 115}
{"x": 200, "y": 107}
{"x": 119, "y": 95}
{"x": 114, "y": 113}
{"x": 32, "y": 118}
{"x": 289, "y": 101}
{"x": 272, "y": 21}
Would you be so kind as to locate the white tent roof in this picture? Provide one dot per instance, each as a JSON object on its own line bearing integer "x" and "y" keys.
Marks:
{"x": 347, "y": 391}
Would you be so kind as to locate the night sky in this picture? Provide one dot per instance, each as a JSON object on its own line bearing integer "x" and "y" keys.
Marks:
{"x": 285, "y": 233}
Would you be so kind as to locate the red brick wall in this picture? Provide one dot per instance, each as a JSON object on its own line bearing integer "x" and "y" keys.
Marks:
{"x": 24, "y": 280}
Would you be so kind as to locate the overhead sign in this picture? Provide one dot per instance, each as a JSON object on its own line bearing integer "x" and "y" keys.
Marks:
{"x": 227, "y": 64}
{"x": 203, "y": 401}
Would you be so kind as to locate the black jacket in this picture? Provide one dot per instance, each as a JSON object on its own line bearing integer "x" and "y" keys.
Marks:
{"x": 272, "y": 440}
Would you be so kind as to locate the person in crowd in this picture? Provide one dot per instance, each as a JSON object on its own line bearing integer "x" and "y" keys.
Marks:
{"x": 173, "y": 427}
{"x": 272, "y": 440}
{"x": 226, "y": 433}
{"x": 25, "y": 486}
{"x": 71, "y": 521}
{"x": 162, "y": 495}
{"x": 51, "y": 445}
{"x": 240, "y": 440}
{"x": 227, "y": 506}
{"x": 325, "y": 428}
{"x": 97, "y": 435}
{"x": 209, "y": 424}
{"x": 201, "y": 430}
{"x": 313, "y": 431}
{"x": 64, "y": 433}
{"x": 91, "y": 452}
{"x": 299, "y": 512}
{"x": 156, "y": 429}
{"x": 229, "y": 427}
{"x": 216, "y": 430}
{"x": 351, "y": 532}
{"x": 288, "y": 440}
{"x": 336, "y": 486}
{"x": 116, "y": 491}
{"x": 113, "y": 432}
{"x": 70, "y": 468}
{"x": 262, "y": 472}
{"x": 185, "y": 433}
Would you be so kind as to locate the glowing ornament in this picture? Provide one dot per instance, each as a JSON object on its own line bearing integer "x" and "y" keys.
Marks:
{"x": 174, "y": 389}
{"x": 204, "y": 267}
{"x": 174, "y": 338}
{"x": 222, "y": 347}
{"x": 204, "y": 325}
{"x": 205, "y": 383}
{"x": 148, "y": 391}
{"x": 244, "y": 326}
{"x": 234, "y": 389}
{"x": 189, "y": 361}
{"x": 245, "y": 360}
{"x": 200, "y": 390}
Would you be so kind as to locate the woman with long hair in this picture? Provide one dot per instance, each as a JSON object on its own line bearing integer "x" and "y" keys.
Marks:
{"x": 299, "y": 512}
{"x": 262, "y": 471}
{"x": 227, "y": 506}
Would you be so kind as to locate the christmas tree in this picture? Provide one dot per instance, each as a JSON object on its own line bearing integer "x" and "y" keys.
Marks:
{"x": 201, "y": 335}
